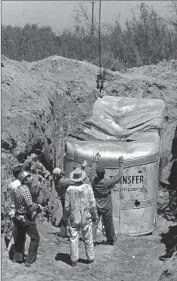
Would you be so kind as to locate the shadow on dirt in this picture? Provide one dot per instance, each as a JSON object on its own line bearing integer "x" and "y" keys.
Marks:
{"x": 66, "y": 258}
{"x": 170, "y": 241}
{"x": 97, "y": 243}
{"x": 63, "y": 257}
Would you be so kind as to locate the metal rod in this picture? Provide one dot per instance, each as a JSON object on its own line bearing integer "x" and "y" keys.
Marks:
{"x": 100, "y": 35}
{"x": 92, "y": 26}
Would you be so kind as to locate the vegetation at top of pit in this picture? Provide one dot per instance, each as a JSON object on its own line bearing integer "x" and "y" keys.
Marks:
{"x": 145, "y": 39}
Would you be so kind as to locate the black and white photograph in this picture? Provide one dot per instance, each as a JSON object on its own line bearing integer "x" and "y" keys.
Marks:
{"x": 88, "y": 140}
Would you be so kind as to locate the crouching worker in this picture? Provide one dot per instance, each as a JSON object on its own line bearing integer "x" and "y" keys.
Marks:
{"x": 79, "y": 212}
{"x": 24, "y": 219}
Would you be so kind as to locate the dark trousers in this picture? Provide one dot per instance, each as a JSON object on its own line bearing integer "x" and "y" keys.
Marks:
{"x": 32, "y": 231}
{"x": 62, "y": 200}
{"x": 63, "y": 230}
{"x": 107, "y": 219}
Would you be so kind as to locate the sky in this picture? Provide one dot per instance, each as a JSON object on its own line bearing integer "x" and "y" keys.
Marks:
{"x": 60, "y": 14}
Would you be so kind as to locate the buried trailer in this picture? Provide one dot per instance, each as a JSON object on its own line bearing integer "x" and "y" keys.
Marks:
{"x": 131, "y": 128}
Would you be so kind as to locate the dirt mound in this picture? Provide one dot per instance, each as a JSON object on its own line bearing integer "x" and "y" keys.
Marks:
{"x": 130, "y": 259}
{"x": 32, "y": 91}
{"x": 33, "y": 94}
{"x": 29, "y": 92}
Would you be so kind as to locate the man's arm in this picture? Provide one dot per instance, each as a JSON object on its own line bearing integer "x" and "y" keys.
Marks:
{"x": 114, "y": 180}
{"x": 12, "y": 203}
{"x": 12, "y": 206}
{"x": 94, "y": 167}
{"x": 28, "y": 201}
{"x": 93, "y": 209}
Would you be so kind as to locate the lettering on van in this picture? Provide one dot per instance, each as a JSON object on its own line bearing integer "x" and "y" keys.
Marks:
{"x": 131, "y": 179}
{"x": 117, "y": 188}
{"x": 128, "y": 181}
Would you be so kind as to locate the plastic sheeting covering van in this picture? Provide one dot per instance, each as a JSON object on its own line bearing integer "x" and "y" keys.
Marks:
{"x": 130, "y": 128}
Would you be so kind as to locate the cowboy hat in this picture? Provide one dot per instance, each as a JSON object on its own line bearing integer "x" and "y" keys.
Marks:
{"x": 78, "y": 175}
{"x": 58, "y": 171}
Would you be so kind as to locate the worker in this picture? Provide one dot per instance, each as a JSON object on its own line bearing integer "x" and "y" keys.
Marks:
{"x": 24, "y": 219}
{"x": 80, "y": 210}
{"x": 61, "y": 185}
{"x": 37, "y": 167}
{"x": 11, "y": 188}
{"x": 102, "y": 192}
{"x": 86, "y": 168}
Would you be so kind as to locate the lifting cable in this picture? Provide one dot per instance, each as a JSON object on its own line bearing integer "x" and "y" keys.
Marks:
{"x": 100, "y": 79}
{"x": 100, "y": 36}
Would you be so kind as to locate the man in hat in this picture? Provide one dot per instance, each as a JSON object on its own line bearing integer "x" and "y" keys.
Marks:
{"x": 80, "y": 210}
{"x": 61, "y": 185}
{"x": 12, "y": 187}
{"x": 85, "y": 167}
{"x": 24, "y": 219}
{"x": 102, "y": 192}
{"x": 10, "y": 228}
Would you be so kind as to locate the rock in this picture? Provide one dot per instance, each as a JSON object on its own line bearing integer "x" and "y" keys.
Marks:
{"x": 164, "y": 178}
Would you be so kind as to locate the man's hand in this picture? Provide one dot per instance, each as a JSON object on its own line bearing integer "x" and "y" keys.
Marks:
{"x": 95, "y": 219}
{"x": 12, "y": 214}
{"x": 50, "y": 178}
{"x": 42, "y": 209}
{"x": 84, "y": 165}
{"x": 121, "y": 161}
{"x": 33, "y": 215}
{"x": 97, "y": 157}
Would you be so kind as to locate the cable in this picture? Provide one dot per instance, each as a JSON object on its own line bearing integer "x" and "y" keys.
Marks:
{"x": 99, "y": 76}
{"x": 100, "y": 36}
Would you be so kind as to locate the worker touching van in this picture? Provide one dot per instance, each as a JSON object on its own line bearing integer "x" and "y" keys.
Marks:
{"x": 102, "y": 192}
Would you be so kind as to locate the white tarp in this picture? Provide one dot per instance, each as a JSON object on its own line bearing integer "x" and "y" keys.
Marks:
{"x": 114, "y": 118}
{"x": 125, "y": 127}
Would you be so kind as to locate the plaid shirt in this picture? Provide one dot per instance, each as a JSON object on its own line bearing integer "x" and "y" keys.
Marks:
{"x": 22, "y": 199}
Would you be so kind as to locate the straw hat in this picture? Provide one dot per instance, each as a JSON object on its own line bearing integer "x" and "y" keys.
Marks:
{"x": 78, "y": 175}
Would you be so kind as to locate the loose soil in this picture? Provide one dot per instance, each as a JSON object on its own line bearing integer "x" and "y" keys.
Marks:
{"x": 130, "y": 259}
{"x": 30, "y": 94}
